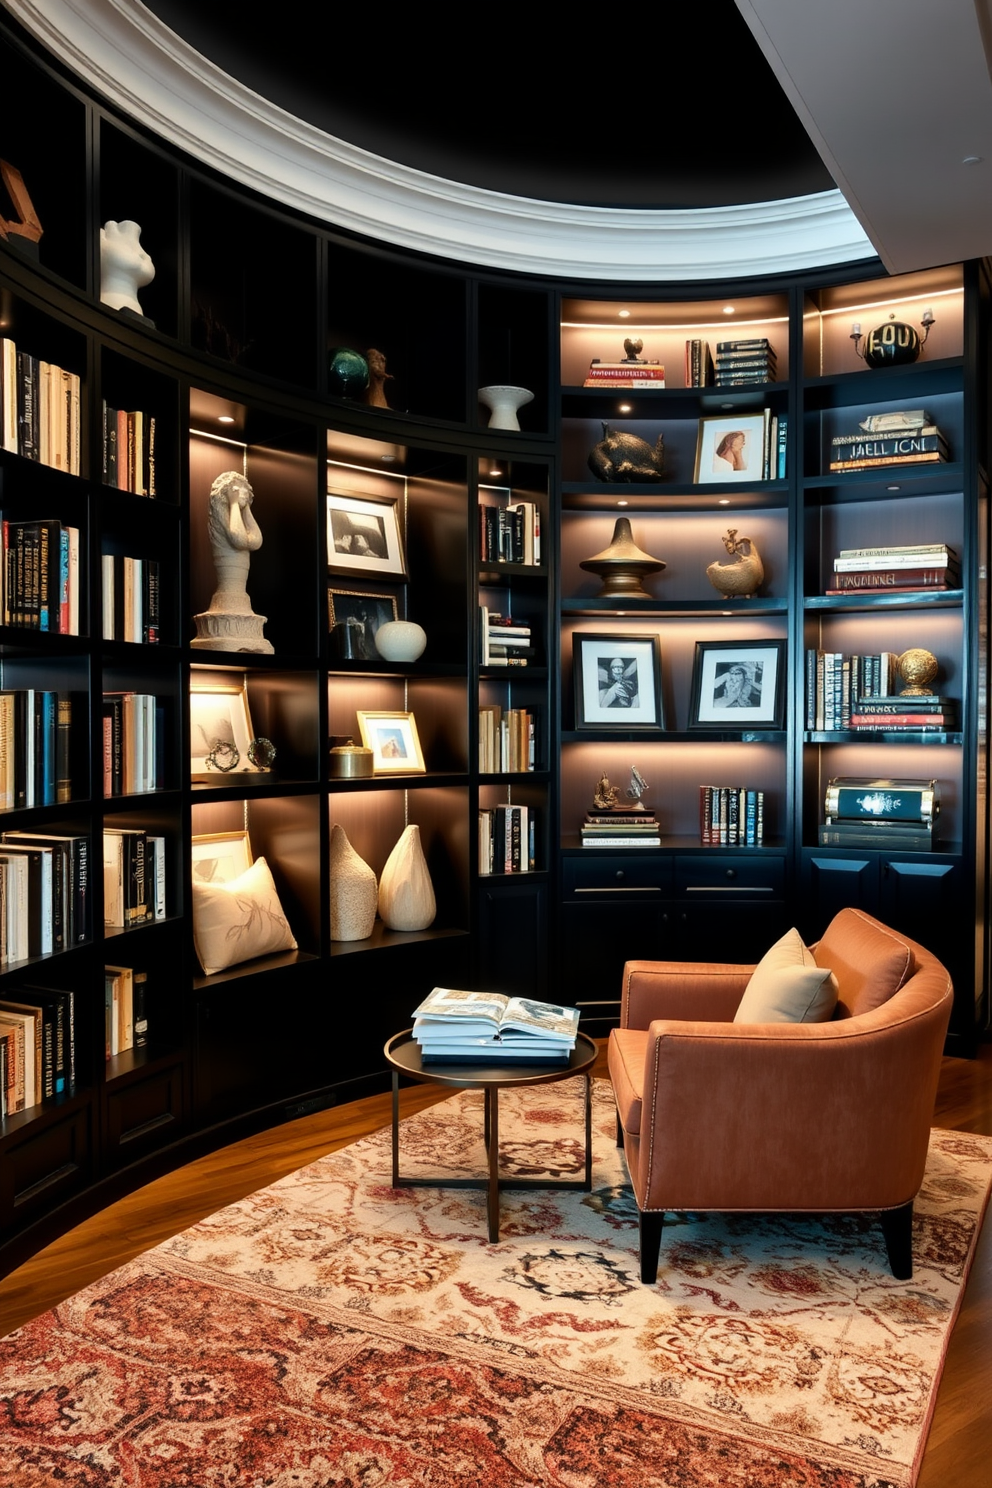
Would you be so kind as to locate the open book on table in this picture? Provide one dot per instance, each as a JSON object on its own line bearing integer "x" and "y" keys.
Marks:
{"x": 455, "y": 1022}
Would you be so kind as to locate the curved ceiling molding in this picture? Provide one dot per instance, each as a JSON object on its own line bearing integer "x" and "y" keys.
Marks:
{"x": 148, "y": 72}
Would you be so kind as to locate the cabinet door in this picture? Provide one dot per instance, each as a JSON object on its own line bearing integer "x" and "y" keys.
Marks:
{"x": 831, "y": 884}
{"x": 927, "y": 901}
{"x": 513, "y": 936}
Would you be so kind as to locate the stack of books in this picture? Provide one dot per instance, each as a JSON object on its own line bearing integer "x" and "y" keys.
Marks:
{"x": 39, "y": 409}
{"x": 509, "y": 531}
{"x": 910, "y": 438}
{"x": 130, "y": 599}
{"x": 745, "y": 363}
{"x": 896, "y": 569}
{"x": 506, "y": 740}
{"x": 58, "y": 890}
{"x": 698, "y": 363}
{"x": 131, "y": 741}
{"x": 928, "y": 713}
{"x": 628, "y": 374}
{"x": 133, "y": 877}
{"x": 455, "y": 1027}
{"x": 37, "y": 1047}
{"x": 621, "y": 829}
{"x": 129, "y": 451}
{"x": 35, "y": 739}
{"x": 39, "y": 575}
{"x": 503, "y": 641}
{"x": 731, "y": 816}
{"x": 880, "y": 813}
{"x": 125, "y": 1004}
{"x": 836, "y": 681}
{"x": 506, "y": 840}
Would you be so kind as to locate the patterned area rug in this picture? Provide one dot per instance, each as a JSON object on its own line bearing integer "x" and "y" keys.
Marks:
{"x": 332, "y": 1330}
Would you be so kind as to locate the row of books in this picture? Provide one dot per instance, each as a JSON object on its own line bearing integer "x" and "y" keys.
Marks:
{"x": 35, "y": 737}
{"x": 745, "y": 363}
{"x": 621, "y": 829}
{"x": 129, "y": 450}
{"x": 906, "y": 438}
{"x": 503, "y": 641}
{"x": 506, "y": 840}
{"x": 731, "y": 816}
{"x": 132, "y": 740}
{"x": 698, "y": 363}
{"x": 632, "y": 372}
{"x": 39, "y": 574}
{"x": 835, "y": 679}
{"x": 37, "y": 1047}
{"x": 39, "y": 409}
{"x": 125, "y": 1003}
{"x": 896, "y": 569}
{"x": 134, "y": 877}
{"x": 510, "y": 532}
{"x": 51, "y": 873}
{"x": 131, "y": 599}
{"x": 507, "y": 740}
{"x": 458, "y": 1027}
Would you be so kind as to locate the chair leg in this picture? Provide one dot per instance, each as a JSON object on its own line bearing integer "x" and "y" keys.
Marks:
{"x": 897, "y": 1227}
{"x": 650, "y": 1225}
{"x": 619, "y": 1131}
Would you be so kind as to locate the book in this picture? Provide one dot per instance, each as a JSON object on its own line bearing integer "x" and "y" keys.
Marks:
{"x": 879, "y": 838}
{"x": 463, "y": 1025}
{"x": 888, "y": 558}
{"x": 851, "y": 580}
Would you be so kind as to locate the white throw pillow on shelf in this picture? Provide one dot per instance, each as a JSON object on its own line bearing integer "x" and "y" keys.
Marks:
{"x": 236, "y": 921}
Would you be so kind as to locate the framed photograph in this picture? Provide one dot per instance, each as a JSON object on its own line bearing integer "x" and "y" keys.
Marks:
{"x": 617, "y": 681}
{"x": 220, "y": 732}
{"x": 363, "y": 535}
{"x": 738, "y": 685}
{"x": 362, "y": 614}
{"x": 730, "y": 448}
{"x": 392, "y": 738}
{"x": 219, "y": 857}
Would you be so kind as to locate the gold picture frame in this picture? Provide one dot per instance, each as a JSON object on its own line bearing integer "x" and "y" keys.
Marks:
{"x": 394, "y": 742}
{"x": 220, "y": 857}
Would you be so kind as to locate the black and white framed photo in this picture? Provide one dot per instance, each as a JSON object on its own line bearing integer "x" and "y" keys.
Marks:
{"x": 738, "y": 685}
{"x": 363, "y": 535}
{"x": 617, "y": 681}
{"x": 362, "y": 614}
{"x": 730, "y": 448}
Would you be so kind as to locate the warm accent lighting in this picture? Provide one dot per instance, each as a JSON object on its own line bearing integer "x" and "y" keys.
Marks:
{"x": 624, "y": 408}
{"x": 225, "y": 418}
{"x": 623, "y": 503}
{"x": 623, "y": 314}
{"x": 728, "y": 309}
{"x": 724, "y": 501}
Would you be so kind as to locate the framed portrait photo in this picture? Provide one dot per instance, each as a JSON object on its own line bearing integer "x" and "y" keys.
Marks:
{"x": 738, "y": 685}
{"x": 617, "y": 681}
{"x": 363, "y": 536}
{"x": 219, "y": 857}
{"x": 393, "y": 740}
{"x": 363, "y": 614}
{"x": 730, "y": 448}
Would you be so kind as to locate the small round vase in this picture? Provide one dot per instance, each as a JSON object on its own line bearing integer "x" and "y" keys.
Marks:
{"x": 400, "y": 640}
{"x": 623, "y": 566}
{"x": 406, "y": 894}
{"x": 354, "y": 893}
{"x": 503, "y": 403}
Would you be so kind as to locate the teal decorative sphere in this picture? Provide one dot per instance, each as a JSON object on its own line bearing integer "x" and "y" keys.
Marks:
{"x": 348, "y": 375}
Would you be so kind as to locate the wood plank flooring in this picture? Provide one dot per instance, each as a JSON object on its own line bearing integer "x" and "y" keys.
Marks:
{"x": 959, "y": 1448}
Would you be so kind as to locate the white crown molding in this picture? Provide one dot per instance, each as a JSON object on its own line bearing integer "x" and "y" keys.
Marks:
{"x": 136, "y": 63}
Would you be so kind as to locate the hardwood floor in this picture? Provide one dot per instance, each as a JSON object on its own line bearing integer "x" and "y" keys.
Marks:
{"x": 959, "y": 1448}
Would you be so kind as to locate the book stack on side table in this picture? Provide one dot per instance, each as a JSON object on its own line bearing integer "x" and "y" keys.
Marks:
{"x": 457, "y": 1027}
{"x": 893, "y": 570}
{"x": 620, "y": 829}
{"x": 880, "y": 813}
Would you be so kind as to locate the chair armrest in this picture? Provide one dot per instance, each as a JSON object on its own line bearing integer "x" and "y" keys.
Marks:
{"x": 697, "y": 991}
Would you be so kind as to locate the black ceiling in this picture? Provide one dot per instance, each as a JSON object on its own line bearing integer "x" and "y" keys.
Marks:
{"x": 679, "y": 110}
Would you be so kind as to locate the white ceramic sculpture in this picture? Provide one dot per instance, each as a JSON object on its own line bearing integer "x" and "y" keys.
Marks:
{"x": 503, "y": 403}
{"x": 125, "y": 267}
{"x": 400, "y": 640}
{"x": 354, "y": 892}
{"x": 231, "y": 624}
{"x": 406, "y": 894}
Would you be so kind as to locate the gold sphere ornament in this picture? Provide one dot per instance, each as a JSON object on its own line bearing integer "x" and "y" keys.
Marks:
{"x": 917, "y": 668}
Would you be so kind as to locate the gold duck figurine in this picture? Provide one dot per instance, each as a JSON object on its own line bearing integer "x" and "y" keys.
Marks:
{"x": 742, "y": 577}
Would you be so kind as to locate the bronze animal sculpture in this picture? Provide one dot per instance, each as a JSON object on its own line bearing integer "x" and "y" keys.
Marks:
{"x": 626, "y": 457}
{"x": 742, "y": 577}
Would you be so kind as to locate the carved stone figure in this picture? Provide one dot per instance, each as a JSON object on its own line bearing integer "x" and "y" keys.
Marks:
{"x": 742, "y": 577}
{"x": 375, "y": 396}
{"x": 626, "y": 457}
{"x": 125, "y": 267}
{"x": 231, "y": 624}
{"x": 606, "y": 797}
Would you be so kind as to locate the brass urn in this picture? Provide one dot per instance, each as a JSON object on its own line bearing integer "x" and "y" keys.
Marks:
{"x": 623, "y": 566}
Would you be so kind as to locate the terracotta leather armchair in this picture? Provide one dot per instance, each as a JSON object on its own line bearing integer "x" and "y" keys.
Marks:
{"x": 782, "y": 1116}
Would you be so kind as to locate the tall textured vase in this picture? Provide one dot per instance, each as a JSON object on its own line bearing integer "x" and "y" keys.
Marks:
{"x": 406, "y": 894}
{"x": 354, "y": 893}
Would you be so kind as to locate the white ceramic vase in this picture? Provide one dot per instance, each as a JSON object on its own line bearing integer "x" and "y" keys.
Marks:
{"x": 406, "y": 894}
{"x": 400, "y": 640}
{"x": 354, "y": 892}
{"x": 503, "y": 403}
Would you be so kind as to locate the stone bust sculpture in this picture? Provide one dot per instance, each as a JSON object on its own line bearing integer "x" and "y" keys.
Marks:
{"x": 230, "y": 624}
{"x": 125, "y": 267}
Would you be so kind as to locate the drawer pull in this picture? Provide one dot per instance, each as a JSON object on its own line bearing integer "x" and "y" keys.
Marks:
{"x": 728, "y": 889}
{"x": 646, "y": 890}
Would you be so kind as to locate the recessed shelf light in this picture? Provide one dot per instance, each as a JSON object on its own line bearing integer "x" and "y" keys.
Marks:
{"x": 225, "y": 418}
{"x": 728, "y": 309}
{"x": 724, "y": 501}
{"x": 973, "y": 160}
{"x": 624, "y": 408}
{"x": 623, "y": 314}
{"x": 726, "y": 405}
{"x": 893, "y": 488}
{"x": 623, "y": 503}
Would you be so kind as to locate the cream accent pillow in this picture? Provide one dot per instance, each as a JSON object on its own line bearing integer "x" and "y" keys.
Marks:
{"x": 232, "y": 922}
{"x": 787, "y": 986}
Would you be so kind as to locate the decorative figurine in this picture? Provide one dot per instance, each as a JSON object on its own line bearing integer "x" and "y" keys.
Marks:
{"x": 742, "y": 577}
{"x": 633, "y": 347}
{"x": 375, "y": 396}
{"x": 503, "y": 403}
{"x": 623, "y": 565}
{"x": 26, "y": 226}
{"x": 635, "y": 790}
{"x": 606, "y": 797}
{"x": 626, "y": 457}
{"x": 892, "y": 344}
{"x": 231, "y": 624}
{"x": 917, "y": 668}
{"x": 125, "y": 267}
